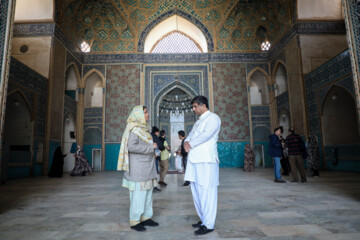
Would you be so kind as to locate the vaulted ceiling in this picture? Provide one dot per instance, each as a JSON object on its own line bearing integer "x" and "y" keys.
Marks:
{"x": 115, "y": 26}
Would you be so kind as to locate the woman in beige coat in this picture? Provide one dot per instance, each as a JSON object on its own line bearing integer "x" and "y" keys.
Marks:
{"x": 137, "y": 159}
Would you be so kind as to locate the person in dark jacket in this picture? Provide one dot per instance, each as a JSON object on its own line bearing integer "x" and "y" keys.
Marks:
{"x": 155, "y": 133}
{"x": 275, "y": 151}
{"x": 296, "y": 148}
{"x": 183, "y": 153}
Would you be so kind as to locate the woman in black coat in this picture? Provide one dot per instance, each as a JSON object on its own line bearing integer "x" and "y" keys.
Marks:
{"x": 57, "y": 165}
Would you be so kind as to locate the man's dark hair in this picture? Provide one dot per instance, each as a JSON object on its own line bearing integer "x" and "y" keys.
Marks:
{"x": 181, "y": 133}
{"x": 144, "y": 107}
{"x": 281, "y": 128}
{"x": 154, "y": 129}
{"x": 292, "y": 130}
{"x": 201, "y": 100}
{"x": 162, "y": 133}
{"x": 276, "y": 129}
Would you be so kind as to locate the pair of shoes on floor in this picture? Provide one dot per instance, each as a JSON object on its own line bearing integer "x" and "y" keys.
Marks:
{"x": 203, "y": 230}
{"x": 294, "y": 181}
{"x": 186, "y": 183}
{"x": 156, "y": 189}
{"x": 140, "y": 227}
{"x": 162, "y": 183}
{"x": 304, "y": 181}
{"x": 279, "y": 180}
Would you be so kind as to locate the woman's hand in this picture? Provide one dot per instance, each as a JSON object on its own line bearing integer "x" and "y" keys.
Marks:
{"x": 155, "y": 146}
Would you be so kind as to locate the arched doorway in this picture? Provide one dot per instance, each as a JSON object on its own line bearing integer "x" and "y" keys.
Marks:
{"x": 68, "y": 140}
{"x": 18, "y": 129}
{"x": 339, "y": 119}
{"x": 174, "y": 114}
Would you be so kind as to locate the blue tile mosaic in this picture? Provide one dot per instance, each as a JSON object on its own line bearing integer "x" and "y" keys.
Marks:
{"x": 263, "y": 66}
{"x": 282, "y": 101}
{"x": 34, "y": 29}
{"x": 231, "y": 154}
{"x": 88, "y": 68}
{"x": 263, "y": 110}
{"x": 93, "y": 112}
{"x": 93, "y": 136}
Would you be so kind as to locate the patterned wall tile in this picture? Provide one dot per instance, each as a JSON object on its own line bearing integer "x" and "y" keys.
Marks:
{"x": 230, "y": 97}
{"x": 88, "y": 68}
{"x": 122, "y": 94}
{"x": 71, "y": 59}
{"x": 34, "y": 29}
{"x": 70, "y": 106}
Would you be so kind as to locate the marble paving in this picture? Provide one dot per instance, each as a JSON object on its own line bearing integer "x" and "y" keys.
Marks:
{"x": 251, "y": 207}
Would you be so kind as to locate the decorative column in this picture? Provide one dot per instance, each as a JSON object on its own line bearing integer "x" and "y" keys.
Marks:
{"x": 352, "y": 21}
{"x": 7, "y": 8}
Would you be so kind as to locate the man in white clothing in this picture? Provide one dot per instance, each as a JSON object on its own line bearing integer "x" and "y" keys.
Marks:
{"x": 202, "y": 168}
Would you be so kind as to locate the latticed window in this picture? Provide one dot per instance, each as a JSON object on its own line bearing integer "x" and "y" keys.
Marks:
{"x": 176, "y": 42}
{"x": 85, "y": 47}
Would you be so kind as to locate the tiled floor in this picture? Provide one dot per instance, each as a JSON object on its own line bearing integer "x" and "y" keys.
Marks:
{"x": 251, "y": 206}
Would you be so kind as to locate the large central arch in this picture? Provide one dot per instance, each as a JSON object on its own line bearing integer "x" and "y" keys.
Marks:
{"x": 153, "y": 24}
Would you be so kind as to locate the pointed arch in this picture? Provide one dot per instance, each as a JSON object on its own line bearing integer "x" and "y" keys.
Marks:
{"x": 258, "y": 88}
{"x": 144, "y": 34}
{"x": 88, "y": 74}
{"x": 77, "y": 72}
{"x": 280, "y": 84}
{"x": 339, "y": 120}
{"x": 29, "y": 107}
{"x": 157, "y": 99}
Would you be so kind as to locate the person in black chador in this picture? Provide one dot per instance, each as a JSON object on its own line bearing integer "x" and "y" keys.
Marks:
{"x": 57, "y": 165}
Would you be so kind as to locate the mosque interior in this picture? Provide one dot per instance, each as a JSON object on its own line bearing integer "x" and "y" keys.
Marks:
{"x": 72, "y": 70}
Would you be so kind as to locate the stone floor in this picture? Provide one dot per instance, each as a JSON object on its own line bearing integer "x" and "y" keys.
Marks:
{"x": 251, "y": 206}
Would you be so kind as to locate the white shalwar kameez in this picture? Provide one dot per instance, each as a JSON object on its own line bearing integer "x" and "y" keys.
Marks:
{"x": 202, "y": 169}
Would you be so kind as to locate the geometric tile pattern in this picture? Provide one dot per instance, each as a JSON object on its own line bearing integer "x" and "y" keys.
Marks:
{"x": 70, "y": 106}
{"x": 251, "y": 66}
{"x": 260, "y": 117}
{"x": 231, "y": 100}
{"x": 3, "y": 24}
{"x": 122, "y": 95}
{"x": 99, "y": 23}
{"x": 88, "y": 68}
{"x": 34, "y": 29}
{"x": 240, "y": 31}
{"x": 175, "y": 58}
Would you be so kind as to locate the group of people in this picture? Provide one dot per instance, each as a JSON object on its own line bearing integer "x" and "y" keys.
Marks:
{"x": 81, "y": 166}
{"x": 137, "y": 157}
{"x": 289, "y": 154}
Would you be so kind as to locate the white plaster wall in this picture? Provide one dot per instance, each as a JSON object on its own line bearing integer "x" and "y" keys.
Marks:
{"x": 71, "y": 81}
{"x": 318, "y": 49}
{"x": 319, "y": 9}
{"x": 38, "y": 55}
{"x": 93, "y": 91}
{"x": 171, "y": 24}
{"x": 69, "y": 160}
{"x": 34, "y": 10}
{"x": 258, "y": 89}
{"x": 281, "y": 80}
